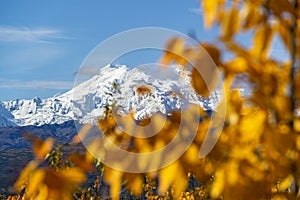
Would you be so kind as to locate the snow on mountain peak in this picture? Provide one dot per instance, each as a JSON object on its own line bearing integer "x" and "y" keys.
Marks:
{"x": 168, "y": 90}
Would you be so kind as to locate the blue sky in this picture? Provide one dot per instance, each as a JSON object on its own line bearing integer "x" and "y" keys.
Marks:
{"x": 43, "y": 43}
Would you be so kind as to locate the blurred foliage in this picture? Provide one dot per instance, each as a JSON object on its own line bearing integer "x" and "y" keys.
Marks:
{"x": 258, "y": 153}
{"x": 58, "y": 178}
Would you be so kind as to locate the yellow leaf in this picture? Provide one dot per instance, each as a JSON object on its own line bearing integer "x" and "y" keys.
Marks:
{"x": 205, "y": 82}
{"x": 251, "y": 126}
{"x": 230, "y": 23}
{"x": 237, "y": 65}
{"x": 262, "y": 41}
{"x": 81, "y": 161}
{"x": 43, "y": 193}
{"x": 95, "y": 148}
{"x": 44, "y": 149}
{"x": 167, "y": 58}
{"x": 175, "y": 45}
{"x": 40, "y": 148}
{"x": 89, "y": 157}
{"x": 54, "y": 180}
{"x": 149, "y": 126}
{"x": 144, "y": 161}
{"x": 210, "y": 10}
{"x": 167, "y": 177}
{"x": 191, "y": 154}
{"x": 115, "y": 186}
{"x": 106, "y": 124}
{"x": 252, "y": 16}
{"x": 158, "y": 122}
{"x": 232, "y": 172}
{"x": 283, "y": 106}
{"x": 143, "y": 89}
{"x": 35, "y": 182}
{"x": 236, "y": 99}
{"x": 213, "y": 52}
{"x": 173, "y": 51}
{"x": 279, "y": 197}
{"x": 155, "y": 163}
{"x": 296, "y": 124}
{"x": 113, "y": 177}
{"x": 134, "y": 183}
{"x": 31, "y": 166}
{"x": 73, "y": 175}
{"x": 180, "y": 182}
{"x": 218, "y": 184}
{"x": 285, "y": 183}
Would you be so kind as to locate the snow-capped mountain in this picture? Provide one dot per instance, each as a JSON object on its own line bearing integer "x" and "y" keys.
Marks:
{"x": 167, "y": 89}
{"x": 6, "y": 118}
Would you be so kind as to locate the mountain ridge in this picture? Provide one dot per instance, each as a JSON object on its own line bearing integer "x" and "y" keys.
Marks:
{"x": 170, "y": 90}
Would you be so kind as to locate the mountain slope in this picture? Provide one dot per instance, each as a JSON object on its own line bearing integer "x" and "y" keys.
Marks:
{"x": 6, "y": 118}
{"x": 12, "y": 137}
{"x": 167, "y": 90}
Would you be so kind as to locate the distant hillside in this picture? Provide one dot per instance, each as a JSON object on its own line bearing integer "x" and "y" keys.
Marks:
{"x": 12, "y": 137}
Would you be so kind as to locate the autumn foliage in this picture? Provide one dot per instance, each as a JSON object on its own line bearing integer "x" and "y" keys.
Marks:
{"x": 258, "y": 153}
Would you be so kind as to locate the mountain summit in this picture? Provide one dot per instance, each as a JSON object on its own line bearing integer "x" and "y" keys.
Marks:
{"x": 144, "y": 90}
